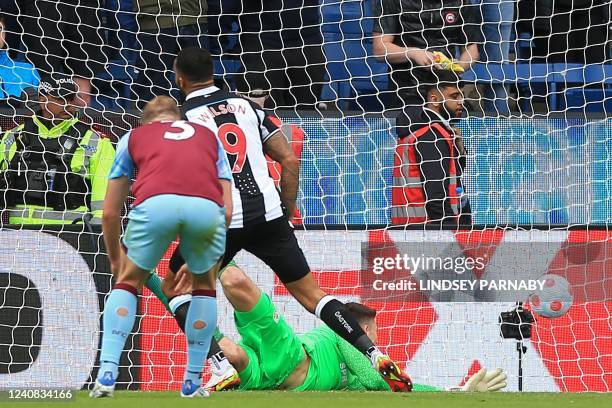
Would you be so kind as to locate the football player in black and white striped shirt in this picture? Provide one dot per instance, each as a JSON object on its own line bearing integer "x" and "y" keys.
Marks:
{"x": 261, "y": 221}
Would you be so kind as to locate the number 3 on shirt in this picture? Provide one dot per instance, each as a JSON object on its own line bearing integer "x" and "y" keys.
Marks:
{"x": 187, "y": 131}
{"x": 234, "y": 142}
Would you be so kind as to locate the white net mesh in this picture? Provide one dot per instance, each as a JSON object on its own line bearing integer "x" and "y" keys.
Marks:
{"x": 537, "y": 174}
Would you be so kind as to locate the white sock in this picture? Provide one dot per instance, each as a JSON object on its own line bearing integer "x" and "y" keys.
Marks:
{"x": 374, "y": 356}
{"x": 219, "y": 366}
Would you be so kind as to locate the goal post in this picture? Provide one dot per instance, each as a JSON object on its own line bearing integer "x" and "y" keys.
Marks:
{"x": 538, "y": 179}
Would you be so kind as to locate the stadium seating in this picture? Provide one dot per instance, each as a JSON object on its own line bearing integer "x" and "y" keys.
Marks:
{"x": 358, "y": 81}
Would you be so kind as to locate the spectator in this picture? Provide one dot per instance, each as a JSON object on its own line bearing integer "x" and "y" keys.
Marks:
{"x": 567, "y": 31}
{"x": 406, "y": 34}
{"x": 498, "y": 21}
{"x": 8, "y": 8}
{"x": 63, "y": 36}
{"x": 17, "y": 78}
{"x": 165, "y": 27}
{"x": 430, "y": 157}
{"x": 282, "y": 52}
{"x": 222, "y": 18}
{"x": 54, "y": 168}
{"x": 121, "y": 28}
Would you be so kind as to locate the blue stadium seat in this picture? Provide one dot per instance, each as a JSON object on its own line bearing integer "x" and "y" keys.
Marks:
{"x": 345, "y": 17}
{"x": 557, "y": 77}
{"x": 226, "y": 70}
{"x": 526, "y": 75}
{"x": 352, "y": 71}
{"x": 586, "y": 88}
{"x": 586, "y": 100}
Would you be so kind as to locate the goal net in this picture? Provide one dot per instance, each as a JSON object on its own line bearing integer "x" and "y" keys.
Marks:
{"x": 537, "y": 175}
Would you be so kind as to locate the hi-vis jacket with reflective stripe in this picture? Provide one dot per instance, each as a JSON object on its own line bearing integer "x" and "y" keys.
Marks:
{"x": 425, "y": 177}
{"x": 89, "y": 164}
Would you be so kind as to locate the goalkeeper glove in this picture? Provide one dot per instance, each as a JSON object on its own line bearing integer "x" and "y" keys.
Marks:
{"x": 484, "y": 381}
{"x": 447, "y": 63}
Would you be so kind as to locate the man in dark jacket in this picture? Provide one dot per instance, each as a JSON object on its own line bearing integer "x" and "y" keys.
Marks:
{"x": 430, "y": 158}
{"x": 64, "y": 37}
{"x": 165, "y": 28}
{"x": 408, "y": 32}
{"x": 282, "y": 52}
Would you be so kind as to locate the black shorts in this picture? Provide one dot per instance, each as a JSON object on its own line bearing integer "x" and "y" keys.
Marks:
{"x": 273, "y": 242}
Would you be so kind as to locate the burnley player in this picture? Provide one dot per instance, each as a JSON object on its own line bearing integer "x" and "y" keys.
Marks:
{"x": 261, "y": 220}
{"x": 183, "y": 189}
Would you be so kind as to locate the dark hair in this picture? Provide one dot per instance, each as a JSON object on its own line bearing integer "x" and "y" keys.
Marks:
{"x": 441, "y": 79}
{"x": 362, "y": 313}
{"x": 195, "y": 64}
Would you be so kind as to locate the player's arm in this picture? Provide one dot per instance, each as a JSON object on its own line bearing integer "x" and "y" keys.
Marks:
{"x": 226, "y": 179}
{"x": 361, "y": 369}
{"x": 116, "y": 194}
{"x": 117, "y": 191}
{"x": 277, "y": 147}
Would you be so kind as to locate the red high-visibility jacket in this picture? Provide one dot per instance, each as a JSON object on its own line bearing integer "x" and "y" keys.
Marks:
{"x": 409, "y": 198}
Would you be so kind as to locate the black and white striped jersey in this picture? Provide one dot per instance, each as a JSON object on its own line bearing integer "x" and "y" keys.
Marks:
{"x": 243, "y": 128}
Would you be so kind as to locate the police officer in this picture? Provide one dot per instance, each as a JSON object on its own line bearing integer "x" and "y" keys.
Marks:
{"x": 408, "y": 32}
{"x": 53, "y": 167}
{"x": 430, "y": 158}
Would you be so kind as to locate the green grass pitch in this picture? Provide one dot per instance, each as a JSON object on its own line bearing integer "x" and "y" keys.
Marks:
{"x": 278, "y": 399}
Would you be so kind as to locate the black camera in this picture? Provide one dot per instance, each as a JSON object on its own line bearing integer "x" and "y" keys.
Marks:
{"x": 516, "y": 324}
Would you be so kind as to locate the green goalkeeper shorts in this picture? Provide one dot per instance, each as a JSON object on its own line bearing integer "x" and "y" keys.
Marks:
{"x": 273, "y": 348}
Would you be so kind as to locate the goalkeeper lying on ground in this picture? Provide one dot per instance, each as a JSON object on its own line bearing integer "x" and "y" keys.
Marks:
{"x": 271, "y": 356}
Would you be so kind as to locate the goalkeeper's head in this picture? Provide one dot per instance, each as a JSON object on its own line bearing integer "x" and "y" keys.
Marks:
{"x": 193, "y": 69}
{"x": 366, "y": 317}
{"x": 443, "y": 93}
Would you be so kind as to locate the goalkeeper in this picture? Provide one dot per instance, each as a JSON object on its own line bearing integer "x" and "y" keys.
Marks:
{"x": 271, "y": 356}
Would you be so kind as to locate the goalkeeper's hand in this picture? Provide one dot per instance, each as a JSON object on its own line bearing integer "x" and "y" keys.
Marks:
{"x": 484, "y": 381}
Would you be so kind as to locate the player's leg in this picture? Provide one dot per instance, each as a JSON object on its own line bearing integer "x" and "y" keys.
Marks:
{"x": 179, "y": 305}
{"x": 239, "y": 289}
{"x": 236, "y": 355}
{"x": 118, "y": 319}
{"x": 150, "y": 230}
{"x": 272, "y": 349}
{"x": 282, "y": 253}
{"x": 202, "y": 244}
{"x": 200, "y": 325}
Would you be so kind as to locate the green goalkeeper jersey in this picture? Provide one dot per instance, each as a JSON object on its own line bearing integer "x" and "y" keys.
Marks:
{"x": 274, "y": 351}
{"x": 337, "y": 365}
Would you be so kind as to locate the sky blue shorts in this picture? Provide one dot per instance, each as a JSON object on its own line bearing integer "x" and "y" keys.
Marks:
{"x": 156, "y": 222}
